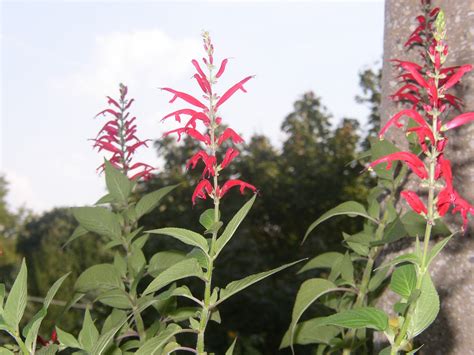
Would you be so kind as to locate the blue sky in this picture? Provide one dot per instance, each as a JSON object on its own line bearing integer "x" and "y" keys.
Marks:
{"x": 60, "y": 59}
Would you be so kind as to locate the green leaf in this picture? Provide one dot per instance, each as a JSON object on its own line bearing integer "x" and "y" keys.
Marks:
{"x": 437, "y": 249}
{"x": 51, "y": 349}
{"x": 181, "y": 270}
{"x": 78, "y": 232}
{"x": 118, "y": 184}
{"x": 366, "y": 317}
{"x": 207, "y": 218}
{"x": 393, "y": 232}
{"x": 106, "y": 199}
{"x": 33, "y": 328}
{"x": 347, "y": 269}
{"x": 310, "y": 332}
{"x": 99, "y": 277}
{"x": 67, "y": 339}
{"x": 377, "y": 279}
{"x": 308, "y": 293}
{"x": 2, "y": 297}
{"x": 403, "y": 280}
{"x": 104, "y": 340}
{"x": 185, "y": 236}
{"x": 89, "y": 333}
{"x": 415, "y": 225}
{"x": 358, "y": 242}
{"x": 230, "y": 351}
{"x": 236, "y": 286}
{"x": 163, "y": 260}
{"x": 115, "y": 298}
{"x": 16, "y": 301}
{"x": 405, "y": 258}
{"x": 154, "y": 345}
{"x": 149, "y": 202}
{"x": 426, "y": 308}
{"x": 325, "y": 260}
{"x": 5, "y": 351}
{"x": 53, "y": 290}
{"x": 98, "y": 220}
{"x": 350, "y": 208}
{"x": 232, "y": 226}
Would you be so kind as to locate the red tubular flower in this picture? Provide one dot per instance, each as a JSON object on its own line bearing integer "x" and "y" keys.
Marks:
{"x": 222, "y": 68}
{"x": 202, "y": 190}
{"x": 458, "y": 121}
{"x": 233, "y": 90}
{"x": 229, "y": 133}
{"x": 232, "y": 183}
{"x": 414, "y": 201}
{"x": 413, "y": 162}
{"x": 413, "y": 69}
{"x": 230, "y": 154}
{"x": 208, "y": 117}
{"x": 52, "y": 340}
{"x": 395, "y": 120}
{"x": 183, "y": 96}
{"x": 118, "y": 136}
{"x": 454, "y": 79}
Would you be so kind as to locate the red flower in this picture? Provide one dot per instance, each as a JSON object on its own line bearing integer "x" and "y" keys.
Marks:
{"x": 458, "y": 121}
{"x": 229, "y": 133}
{"x": 454, "y": 79}
{"x": 413, "y": 162}
{"x": 208, "y": 117}
{"x": 414, "y": 201}
{"x": 395, "y": 120}
{"x": 118, "y": 136}
{"x": 202, "y": 190}
{"x": 232, "y": 183}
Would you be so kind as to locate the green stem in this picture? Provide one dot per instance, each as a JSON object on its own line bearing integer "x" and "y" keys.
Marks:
{"x": 426, "y": 240}
{"x": 206, "y": 309}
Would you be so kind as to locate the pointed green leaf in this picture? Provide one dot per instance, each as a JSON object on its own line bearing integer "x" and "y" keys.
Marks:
{"x": 230, "y": 351}
{"x": 403, "y": 280}
{"x": 426, "y": 309}
{"x": 106, "y": 199}
{"x": 310, "y": 332}
{"x": 308, "y": 293}
{"x": 105, "y": 339}
{"x": 78, "y": 232}
{"x": 207, "y": 218}
{"x": 154, "y": 345}
{"x": 114, "y": 298}
{"x": 405, "y": 258}
{"x": 53, "y": 290}
{"x": 89, "y": 333}
{"x": 437, "y": 249}
{"x": 181, "y": 270}
{"x": 67, "y": 339}
{"x": 232, "y": 226}
{"x": 163, "y": 260}
{"x": 366, "y": 317}
{"x": 118, "y": 184}
{"x": 16, "y": 301}
{"x": 98, "y": 220}
{"x": 236, "y": 286}
{"x": 185, "y": 236}
{"x": 149, "y": 202}
{"x": 325, "y": 260}
{"x": 350, "y": 208}
{"x": 99, "y": 277}
{"x": 33, "y": 328}
{"x": 377, "y": 278}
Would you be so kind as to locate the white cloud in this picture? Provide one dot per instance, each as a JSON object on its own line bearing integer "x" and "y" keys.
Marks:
{"x": 21, "y": 192}
{"x": 143, "y": 59}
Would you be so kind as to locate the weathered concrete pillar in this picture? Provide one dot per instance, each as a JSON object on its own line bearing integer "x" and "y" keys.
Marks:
{"x": 453, "y": 271}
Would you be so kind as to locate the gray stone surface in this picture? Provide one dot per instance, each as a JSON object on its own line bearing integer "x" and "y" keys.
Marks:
{"x": 453, "y": 271}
